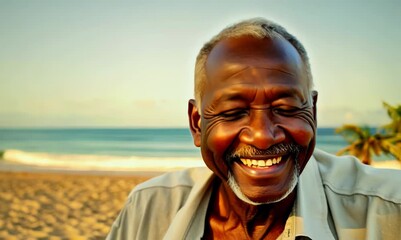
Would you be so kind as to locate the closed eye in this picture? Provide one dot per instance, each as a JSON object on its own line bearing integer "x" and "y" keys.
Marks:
{"x": 232, "y": 115}
{"x": 286, "y": 111}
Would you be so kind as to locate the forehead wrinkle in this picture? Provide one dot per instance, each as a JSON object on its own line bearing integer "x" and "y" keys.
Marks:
{"x": 235, "y": 93}
{"x": 251, "y": 68}
{"x": 235, "y": 73}
{"x": 281, "y": 92}
{"x": 277, "y": 69}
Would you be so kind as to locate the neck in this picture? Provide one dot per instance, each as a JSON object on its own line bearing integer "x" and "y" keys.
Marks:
{"x": 251, "y": 221}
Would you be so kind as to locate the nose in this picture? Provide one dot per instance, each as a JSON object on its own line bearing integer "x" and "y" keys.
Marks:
{"x": 262, "y": 131}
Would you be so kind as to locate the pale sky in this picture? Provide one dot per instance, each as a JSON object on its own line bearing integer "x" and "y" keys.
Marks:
{"x": 130, "y": 63}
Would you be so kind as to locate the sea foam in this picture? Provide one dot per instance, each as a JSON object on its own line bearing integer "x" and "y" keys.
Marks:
{"x": 100, "y": 162}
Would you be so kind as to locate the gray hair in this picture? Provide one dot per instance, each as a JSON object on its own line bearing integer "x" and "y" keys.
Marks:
{"x": 256, "y": 27}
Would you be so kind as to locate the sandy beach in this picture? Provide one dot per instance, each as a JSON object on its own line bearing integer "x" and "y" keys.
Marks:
{"x": 40, "y": 203}
{"x": 54, "y": 205}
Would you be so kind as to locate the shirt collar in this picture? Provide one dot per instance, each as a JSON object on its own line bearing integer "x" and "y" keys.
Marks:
{"x": 309, "y": 218}
{"x": 310, "y": 214}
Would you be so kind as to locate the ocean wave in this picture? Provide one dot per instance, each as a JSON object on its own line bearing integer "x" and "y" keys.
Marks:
{"x": 99, "y": 162}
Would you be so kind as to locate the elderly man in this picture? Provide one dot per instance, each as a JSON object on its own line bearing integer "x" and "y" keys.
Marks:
{"x": 254, "y": 118}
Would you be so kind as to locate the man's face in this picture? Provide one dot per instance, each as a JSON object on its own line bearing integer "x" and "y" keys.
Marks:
{"x": 257, "y": 118}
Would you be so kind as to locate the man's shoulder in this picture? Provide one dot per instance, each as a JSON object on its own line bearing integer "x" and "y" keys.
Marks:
{"x": 170, "y": 186}
{"x": 160, "y": 199}
{"x": 183, "y": 178}
{"x": 346, "y": 175}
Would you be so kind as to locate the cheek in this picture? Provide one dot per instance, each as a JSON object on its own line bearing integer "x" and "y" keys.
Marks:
{"x": 302, "y": 132}
{"x": 220, "y": 138}
{"x": 303, "y": 135}
{"x": 217, "y": 139}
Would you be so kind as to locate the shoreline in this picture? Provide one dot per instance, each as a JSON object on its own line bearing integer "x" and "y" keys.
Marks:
{"x": 18, "y": 167}
{"x": 16, "y": 160}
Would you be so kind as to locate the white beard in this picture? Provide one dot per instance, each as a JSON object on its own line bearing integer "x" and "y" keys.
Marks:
{"x": 237, "y": 190}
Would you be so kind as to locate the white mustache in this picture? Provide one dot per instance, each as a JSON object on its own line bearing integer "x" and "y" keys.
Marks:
{"x": 279, "y": 149}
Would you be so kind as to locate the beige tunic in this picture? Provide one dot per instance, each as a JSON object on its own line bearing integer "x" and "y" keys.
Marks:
{"x": 337, "y": 198}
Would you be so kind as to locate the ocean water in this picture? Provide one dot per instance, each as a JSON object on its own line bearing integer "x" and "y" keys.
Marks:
{"x": 116, "y": 149}
{"x": 118, "y": 142}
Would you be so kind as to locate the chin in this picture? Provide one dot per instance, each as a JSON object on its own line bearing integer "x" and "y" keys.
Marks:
{"x": 259, "y": 199}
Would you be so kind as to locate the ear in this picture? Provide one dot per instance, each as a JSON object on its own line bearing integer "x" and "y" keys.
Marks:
{"x": 194, "y": 122}
{"x": 314, "y": 99}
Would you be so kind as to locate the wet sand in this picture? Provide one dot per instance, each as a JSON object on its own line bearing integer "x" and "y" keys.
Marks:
{"x": 54, "y": 205}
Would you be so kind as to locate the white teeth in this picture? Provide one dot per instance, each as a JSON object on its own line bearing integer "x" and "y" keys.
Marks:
{"x": 248, "y": 162}
{"x": 260, "y": 163}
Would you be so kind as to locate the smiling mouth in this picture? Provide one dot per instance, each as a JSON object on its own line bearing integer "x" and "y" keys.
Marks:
{"x": 260, "y": 163}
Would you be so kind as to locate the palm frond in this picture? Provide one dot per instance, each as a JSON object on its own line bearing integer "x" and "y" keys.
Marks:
{"x": 352, "y": 133}
{"x": 394, "y": 112}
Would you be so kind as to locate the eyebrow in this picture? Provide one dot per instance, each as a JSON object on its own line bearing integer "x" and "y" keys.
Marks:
{"x": 271, "y": 94}
{"x": 286, "y": 92}
{"x": 234, "y": 95}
